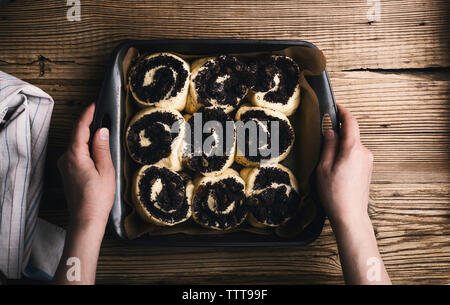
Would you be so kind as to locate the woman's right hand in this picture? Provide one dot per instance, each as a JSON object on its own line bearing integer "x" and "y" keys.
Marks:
{"x": 344, "y": 173}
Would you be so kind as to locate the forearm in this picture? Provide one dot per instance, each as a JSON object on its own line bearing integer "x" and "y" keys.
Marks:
{"x": 360, "y": 259}
{"x": 78, "y": 263}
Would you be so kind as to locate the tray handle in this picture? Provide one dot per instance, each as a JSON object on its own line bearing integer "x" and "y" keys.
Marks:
{"x": 327, "y": 103}
{"x": 105, "y": 111}
{"x": 108, "y": 114}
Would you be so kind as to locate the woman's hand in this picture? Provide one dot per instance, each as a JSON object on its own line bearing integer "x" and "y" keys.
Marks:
{"x": 344, "y": 172}
{"x": 89, "y": 182}
{"x": 343, "y": 177}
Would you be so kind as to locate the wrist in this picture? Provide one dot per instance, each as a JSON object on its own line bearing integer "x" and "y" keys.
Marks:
{"x": 351, "y": 223}
{"x": 84, "y": 224}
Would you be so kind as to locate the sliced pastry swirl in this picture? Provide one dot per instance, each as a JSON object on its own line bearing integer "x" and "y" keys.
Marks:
{"x": 155, "y": 135}
{"x": 264, "y": 136}
{"x": 219, "y": 202}
{"x": 218, "y": 81}
{"x": 161, "y": 196}
{"x": 272, "y": 195}
{"x": 160, "y": 79}
{"x": 276, "y": 83}
{"x": 210, "y": 146}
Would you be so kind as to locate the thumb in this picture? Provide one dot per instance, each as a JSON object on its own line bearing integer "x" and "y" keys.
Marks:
{"x": 101, "y": 152}
{"x": 329, "y": 149}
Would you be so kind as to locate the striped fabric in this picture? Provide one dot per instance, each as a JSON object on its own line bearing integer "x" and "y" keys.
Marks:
{"x": 25, "y": 113}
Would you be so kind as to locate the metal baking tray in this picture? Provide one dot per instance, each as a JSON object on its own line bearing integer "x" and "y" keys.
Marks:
{"x": 110, "y": 112}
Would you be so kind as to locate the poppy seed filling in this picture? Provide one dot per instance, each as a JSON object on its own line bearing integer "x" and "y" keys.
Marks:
{"x": 277, "y": 200}
{"x": 269, "y": 175}
{"x": 285, "y": 134}
{"x": 169, "y": 202}
{"x": 169, "y": 78}
{"x": 224, "y": 79}
{"x": 213, "y": 162}
{"x": 158, "y": 140}
{"x": 264, "y": 71}
{"x": 227, "y": 198}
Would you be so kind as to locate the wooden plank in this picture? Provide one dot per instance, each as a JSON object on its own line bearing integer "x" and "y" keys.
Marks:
{"x": 410, "y": 34}
{"x": 220, "y": 265}
{"x": 412, "y": 255}
{"x": 404, "y": 119}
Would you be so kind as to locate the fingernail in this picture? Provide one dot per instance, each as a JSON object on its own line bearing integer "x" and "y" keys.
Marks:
{"x": 329, "y": 134}
{"x": 104, "y": 133}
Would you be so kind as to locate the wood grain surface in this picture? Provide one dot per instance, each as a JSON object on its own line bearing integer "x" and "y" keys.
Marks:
{"x": 393, "y": 74}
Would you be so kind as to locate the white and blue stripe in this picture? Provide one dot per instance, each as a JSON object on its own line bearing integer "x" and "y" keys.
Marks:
{"x": 23, "y": 143}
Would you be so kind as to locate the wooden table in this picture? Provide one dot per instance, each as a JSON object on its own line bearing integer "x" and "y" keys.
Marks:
{"x": 393, "y": 74}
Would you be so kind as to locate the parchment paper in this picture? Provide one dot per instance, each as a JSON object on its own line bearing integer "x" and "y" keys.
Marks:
{"x": 302, "y": 159}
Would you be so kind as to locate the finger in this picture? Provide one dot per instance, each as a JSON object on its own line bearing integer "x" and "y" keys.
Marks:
{"x": 349, "y": 129}
{"x": 101, "y": 152}
{"x": 330, "y": 146}
{"x": 81, "y": 131}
